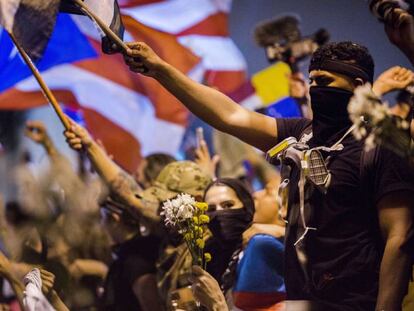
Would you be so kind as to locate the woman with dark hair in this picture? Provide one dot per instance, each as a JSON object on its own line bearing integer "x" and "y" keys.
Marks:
{"x": 231, "y": 210}
{"x": 250, "y": 276}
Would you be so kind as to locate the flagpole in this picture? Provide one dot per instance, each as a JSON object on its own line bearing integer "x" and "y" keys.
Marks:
{"x": 46, "y": 91}
{"x": 107, "y": 30}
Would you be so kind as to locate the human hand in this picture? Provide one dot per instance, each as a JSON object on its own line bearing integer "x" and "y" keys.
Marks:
{"x": 77, "y": 137}
{"x": 395, "y": 78}
{"x": 36, "y": 131}
{"x": 274, "y": 230}
{"x": 48, "y": 281}
{"x": 142, "y": 59}
{"x": 204, "y": 160}
{"x": 399, "y": 27}
{"x": 250, "y": 232}
{"x": 207, "y": 291}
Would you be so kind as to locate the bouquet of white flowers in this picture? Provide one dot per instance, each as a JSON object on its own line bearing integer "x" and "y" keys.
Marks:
{"x": 189, "y": 218}
{"x": 374, "y": 122}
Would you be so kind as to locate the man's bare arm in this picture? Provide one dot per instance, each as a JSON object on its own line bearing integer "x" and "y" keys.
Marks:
{"x": 121, "y": 184}
{"x": 396, "y": 220}
{"x": 207, "y": 103}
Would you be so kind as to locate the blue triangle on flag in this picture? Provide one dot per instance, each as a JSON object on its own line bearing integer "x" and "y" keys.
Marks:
{"x": 284, "y": 108}
{"x": 66, "y": 45}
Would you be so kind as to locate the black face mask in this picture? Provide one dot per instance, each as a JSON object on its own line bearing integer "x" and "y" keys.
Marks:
{"x": 330, "y": 111}
{"x": 228, "y": 226}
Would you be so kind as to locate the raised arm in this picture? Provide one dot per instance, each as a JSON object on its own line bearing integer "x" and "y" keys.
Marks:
{"x": 393, "y": 79}
{"x": 396, "y": 220}
{"x": 207, "y": 103}
{"x": 6, "y": 271}
{"x": 121, "y": 184}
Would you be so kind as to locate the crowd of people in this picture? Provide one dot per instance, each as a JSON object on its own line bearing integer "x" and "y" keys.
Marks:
{"x": 332, "y": 227}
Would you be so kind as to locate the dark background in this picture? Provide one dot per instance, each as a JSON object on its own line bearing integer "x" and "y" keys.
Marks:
{"x": 344, "y": 19}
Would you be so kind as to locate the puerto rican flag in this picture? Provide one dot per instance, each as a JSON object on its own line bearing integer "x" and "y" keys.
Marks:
{"x": 31, "y": 22}
{"x": 131, "y": 114}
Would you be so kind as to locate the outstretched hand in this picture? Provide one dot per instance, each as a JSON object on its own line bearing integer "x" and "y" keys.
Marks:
{"x": 142, "y": 59}
{"x": 77, "y": 137}
{"x": 395, "y": 78}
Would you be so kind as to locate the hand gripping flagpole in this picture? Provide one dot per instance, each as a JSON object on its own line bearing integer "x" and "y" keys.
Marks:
{"x": 107, "y": 30}
{"x": 45, "y": 89}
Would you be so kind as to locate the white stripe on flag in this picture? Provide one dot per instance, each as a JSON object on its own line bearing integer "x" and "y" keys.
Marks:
{"x": 89, "y": 29}
{"x": 173, "y": 16}
{"x": 86, "y": 27}
{"x": 8, "y": 9}
{"x": 129, "y": 110}
{"x": 217, "y": 53}
{"x": 223, "y": 5}
{"x": 104, "y": 9}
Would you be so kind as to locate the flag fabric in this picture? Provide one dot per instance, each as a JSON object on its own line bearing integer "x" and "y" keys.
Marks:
{"x": 267, "y": 91}
{"x": 132, "y": 114}
{"x": 259, "y": 283}
{"x": 31, "y": 22}
{"x": 107, "y": 10}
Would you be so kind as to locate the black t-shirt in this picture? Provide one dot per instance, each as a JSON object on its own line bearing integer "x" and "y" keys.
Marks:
{"x": 344, "y": 253}
{"x": 133, "y": 259}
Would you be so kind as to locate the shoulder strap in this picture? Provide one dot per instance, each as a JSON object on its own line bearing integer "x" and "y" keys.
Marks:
{"x": 306, "y": 134}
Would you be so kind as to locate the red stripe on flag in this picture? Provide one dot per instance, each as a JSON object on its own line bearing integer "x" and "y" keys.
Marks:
{"x": 225, "y": 81}
{"x": 18, "y": 100}
{"x": 214, "y": 25}
{"x": 121, "y": 144}
{"x": 167, "y": 107}
{"x": 111, "y": 67}
{"x": 131, "y": 3}
{"x": 244, "y": 91}
{"x": 250, "y": 301}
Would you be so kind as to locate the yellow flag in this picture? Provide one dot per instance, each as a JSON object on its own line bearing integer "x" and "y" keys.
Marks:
{"x": 271, "y": 84}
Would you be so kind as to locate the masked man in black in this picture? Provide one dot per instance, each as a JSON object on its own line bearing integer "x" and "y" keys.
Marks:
{"x": 358, "y": 258}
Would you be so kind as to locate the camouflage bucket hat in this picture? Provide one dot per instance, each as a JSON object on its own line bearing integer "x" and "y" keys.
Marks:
{"x": 177, "y": 177}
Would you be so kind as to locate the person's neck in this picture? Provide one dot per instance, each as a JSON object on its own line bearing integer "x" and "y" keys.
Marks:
{"x": 325, "y": 133}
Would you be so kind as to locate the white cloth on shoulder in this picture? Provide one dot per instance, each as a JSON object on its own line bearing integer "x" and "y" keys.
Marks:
{"x": 33, "y": 299}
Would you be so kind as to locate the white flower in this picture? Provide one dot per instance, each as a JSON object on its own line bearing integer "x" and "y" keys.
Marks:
{"x": 178, "y": 210}
{"x": 187, "y": 199}
{"x": 185, "y": 211}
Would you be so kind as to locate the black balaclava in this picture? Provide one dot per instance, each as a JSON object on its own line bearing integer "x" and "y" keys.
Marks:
{"x": 227, "y": 227}
{"x": 330, "y": 113}
{"x": 330, "y": 104}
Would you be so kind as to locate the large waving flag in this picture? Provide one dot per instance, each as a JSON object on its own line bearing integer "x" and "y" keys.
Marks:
{"x": 31, "y": 22}
{"x": 132, "y": 114}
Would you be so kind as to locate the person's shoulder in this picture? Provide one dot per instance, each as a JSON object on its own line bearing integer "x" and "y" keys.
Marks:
{"x": 292, "y": 127}
{"x": 388, "y": 173}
